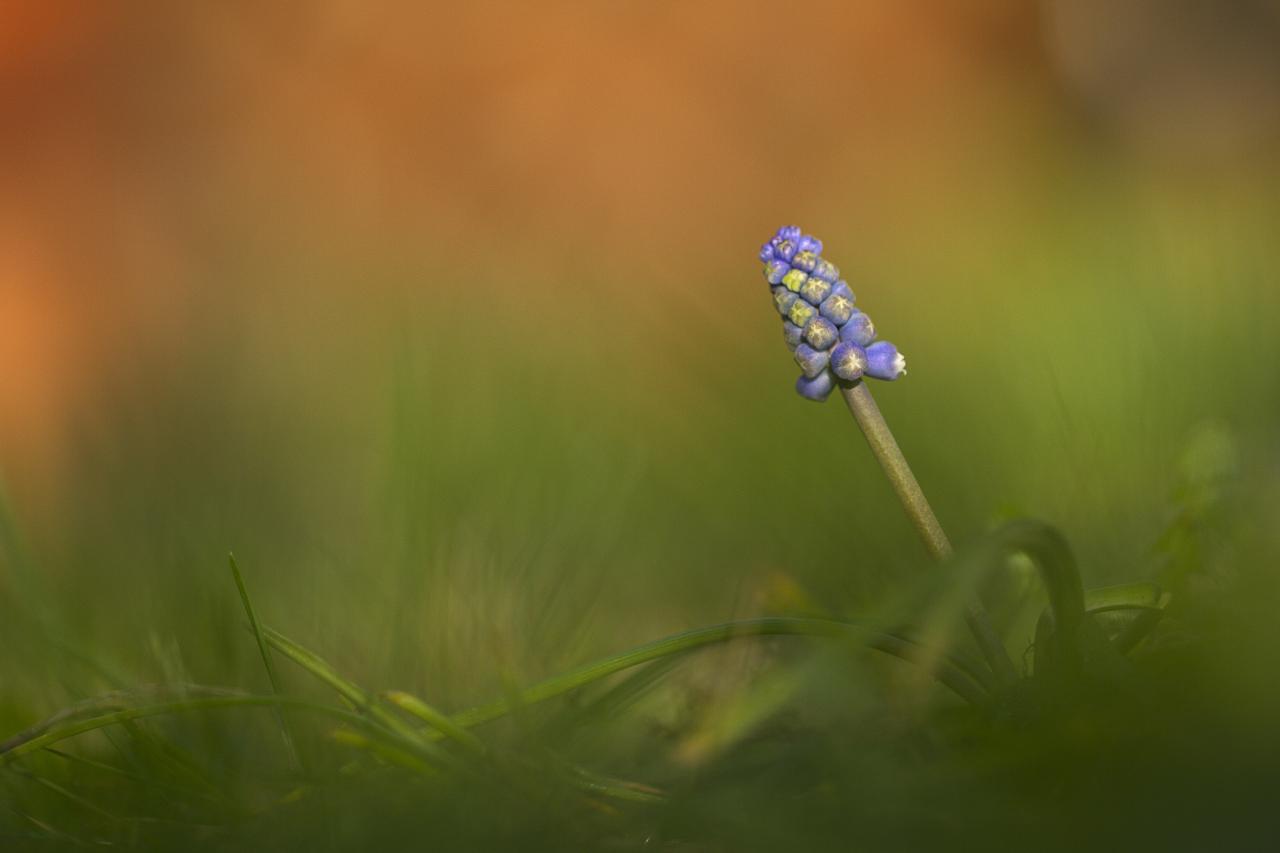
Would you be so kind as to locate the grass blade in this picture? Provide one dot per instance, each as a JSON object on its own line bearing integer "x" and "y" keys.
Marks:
{"x": 943, "y": 669}
{"x": 60, "y": 727}
{"x": 1142, "y": 594}
{"x": 362, "y": 700}
{"x": 286, "y": 731}
{"x": 436, "y": 719}
{"x": 385, "y": 751}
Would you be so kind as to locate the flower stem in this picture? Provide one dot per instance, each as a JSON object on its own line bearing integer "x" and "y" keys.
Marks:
{"x": 886, "y": 450}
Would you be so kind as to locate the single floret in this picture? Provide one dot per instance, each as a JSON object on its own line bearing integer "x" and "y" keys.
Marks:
{"x": 774, "y": 270}
{"x": 801, "y": 312}
{"x": 811, "y": 361}
{"x": 837, "y": 308}
{"x": 885, "y": 362}
{"x": 804, "y": 261}
{"x": 783, "y": 299}
{"x": 858, "y": 330}
{"x": 825, "y": 270}
{"x": 816, "y": 389}
{"x": 821, "y": 333}
{"x": 808, "y": 242}
{"x": 814, "y": 290}
{"x": 848, "y": 361}
{"x": 794, "y": 280}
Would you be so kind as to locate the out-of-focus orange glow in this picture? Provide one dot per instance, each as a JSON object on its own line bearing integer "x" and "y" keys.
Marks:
{"x": 142, "y": 140}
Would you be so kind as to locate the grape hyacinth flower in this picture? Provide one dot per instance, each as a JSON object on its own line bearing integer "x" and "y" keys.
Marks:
{"x": 812, "y": 298}
{"x": 835, "y": 346}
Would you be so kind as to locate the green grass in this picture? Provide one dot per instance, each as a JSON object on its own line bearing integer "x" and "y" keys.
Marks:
{"x": 440, "y": 526}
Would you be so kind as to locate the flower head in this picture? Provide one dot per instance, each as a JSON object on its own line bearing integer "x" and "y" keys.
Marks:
{"x": 832, "y": 341}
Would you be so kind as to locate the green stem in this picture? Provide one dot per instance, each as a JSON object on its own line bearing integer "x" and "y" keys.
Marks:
{"x": 947, "y": 671}
{"x": 865, "y": 411}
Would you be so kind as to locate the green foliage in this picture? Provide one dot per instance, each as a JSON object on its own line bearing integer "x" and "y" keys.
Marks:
{"x": 446, "y": 559}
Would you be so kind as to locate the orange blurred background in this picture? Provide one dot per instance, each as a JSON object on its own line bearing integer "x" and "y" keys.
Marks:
{"x": 145, "y": 143}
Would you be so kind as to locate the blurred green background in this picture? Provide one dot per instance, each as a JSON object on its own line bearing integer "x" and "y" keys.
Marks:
{"x": 447, "y": 322}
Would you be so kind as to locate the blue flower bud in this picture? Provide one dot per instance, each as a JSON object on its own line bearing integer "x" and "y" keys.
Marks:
{"x": 848, "y": 361}
{"x": 766, "y": 252}
{"x": 858, "y": 330}
{"x": 843, "y": 287}
{"x": 792, "y": 334}
{"x": 809, "y": 243}
{"x": 801, "y": 313}
{"x": 794, "y": 280}
{"x": 783, "y": 299}
{"x": 805, "y": 261}
{"x": 821, "y": 333}
{"x": 789, "y": 232}
{"x": 811, "y": 361}
{"x": 837, "y": 308}
{"x": 814, "y": 290}
{"x": 774, "y": 270}
{"x": 825, "y": 270}
{"x": 785, "y": 249}
{"x": 816, "y": 389}
{"x": 885, "y": 362}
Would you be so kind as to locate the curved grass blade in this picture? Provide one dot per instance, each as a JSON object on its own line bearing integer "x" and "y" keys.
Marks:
{"x": 114, "y": 701}
{"x": 1051, "y": 553}
{"x": 944, "y": 670}
{"x": 1123, "y": 596}
{"x": 1144, "y": 602}
{"x": 59, "y": 728}
{"x": 1141, "y": 602}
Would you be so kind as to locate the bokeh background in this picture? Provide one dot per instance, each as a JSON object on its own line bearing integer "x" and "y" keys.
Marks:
{"x": 446, "y": 319}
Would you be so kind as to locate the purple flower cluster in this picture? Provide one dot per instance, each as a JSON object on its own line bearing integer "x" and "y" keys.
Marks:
{"x": 832, "y": 341}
